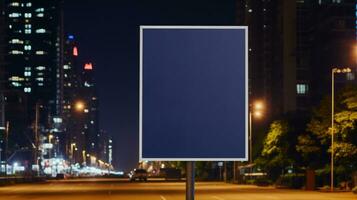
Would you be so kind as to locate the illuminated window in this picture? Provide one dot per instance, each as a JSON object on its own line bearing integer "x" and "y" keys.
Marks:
{"x": 27, "y": 47}
{"x": 40, "y": 15}
{"x": 29, "y": 4}
{"x": 16, "y": 52}
{"x": 65, "y": 67}
{"x": 57, "y": 120}
{"x": 16, "y": 84}
{"x": 27, "y": 73}
{"x": 16, "y": 78}
{"x": 39, "y": 79}
{"x": 86, "y": 84}
{"x": 27, "y": 31}
{"x": 302, "y": 88}
{"x": 88, "y": 66}
{"x": 28, "y": 26}
{"x": 40, "y": 10}
{"x": 75, "y": 51}
{"x": 10, "y": 26}
{"x": 28, "y": 15}
{"x": 40, "y": 68}
{"x": 27, "y": 89}
{"x": 40, "y": 52}
{"x": 41, "y": 30}
{"x": 16, "y": 41}
{"x": 15, "y": 4}
{"x": 14, "y": 15}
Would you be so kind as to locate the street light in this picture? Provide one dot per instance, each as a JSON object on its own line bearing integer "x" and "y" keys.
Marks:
{"x": 257, "y": 112}
{"x": 333, "y": 72}
{"x": 50, "y": 138}
{"x": 79, "y": 106}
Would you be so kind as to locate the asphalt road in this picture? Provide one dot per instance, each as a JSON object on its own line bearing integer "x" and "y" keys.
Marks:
{"x": 114, "y": 189}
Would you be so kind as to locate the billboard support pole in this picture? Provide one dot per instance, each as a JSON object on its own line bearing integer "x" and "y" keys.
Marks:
{"x": 190, "y": 180}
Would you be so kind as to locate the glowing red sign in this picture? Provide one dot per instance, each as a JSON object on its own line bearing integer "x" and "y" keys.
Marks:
{"x": 88, "y": 66}
{"x": 75, "y": 51}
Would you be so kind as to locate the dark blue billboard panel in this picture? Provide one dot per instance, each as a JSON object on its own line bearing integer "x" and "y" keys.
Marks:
{"x": 193, "y": 93}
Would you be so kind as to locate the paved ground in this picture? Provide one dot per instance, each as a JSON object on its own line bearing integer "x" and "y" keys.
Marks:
{"x": 111, "y": 189}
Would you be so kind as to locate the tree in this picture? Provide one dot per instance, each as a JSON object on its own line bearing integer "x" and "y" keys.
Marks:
{"x": 275, "y": 155}
{"x": 313, "y": 142}
{"x": 316, "y": 142}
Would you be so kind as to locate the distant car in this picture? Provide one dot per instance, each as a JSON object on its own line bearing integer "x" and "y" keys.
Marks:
{"x": 138, "y": 174}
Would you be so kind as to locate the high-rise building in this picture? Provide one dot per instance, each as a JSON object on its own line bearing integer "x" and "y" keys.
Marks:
{"x": 89, "y": 94}
{"x": 332, "y": 40}
{"x": 71, "y": 76}
{"x": 272, "y": 52}
{"x": 12, "y": 102}
{"x": 32, "y": 70}
{"x": 81, "y": 111}
{"x": 293, "y": 45}
{"x": 82, "y": 137}
{"x": 105, "y": 147}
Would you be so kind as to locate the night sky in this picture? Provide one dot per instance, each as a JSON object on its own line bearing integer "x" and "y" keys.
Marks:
{"x": 108, "y": 36}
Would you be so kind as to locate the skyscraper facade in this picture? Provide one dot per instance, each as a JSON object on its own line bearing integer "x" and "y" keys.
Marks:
{"x": 91, "y": 125}
{"x": 272, "y": 52}
{"x": 293, "y": 45}
{"x": 33, "y": 53}
{"x": 32, "y": 71}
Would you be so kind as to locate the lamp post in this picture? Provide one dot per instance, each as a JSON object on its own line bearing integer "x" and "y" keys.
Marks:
{"x": 255, "y": 111}
{"x": 333, "y": 72}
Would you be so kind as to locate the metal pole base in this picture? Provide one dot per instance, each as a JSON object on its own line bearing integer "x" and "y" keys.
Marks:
{"x": 190, "y": 180}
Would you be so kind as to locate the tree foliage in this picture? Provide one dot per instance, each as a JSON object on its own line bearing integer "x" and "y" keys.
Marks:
{"x": 315, "y": 144}
{"x": 279, "y": 151}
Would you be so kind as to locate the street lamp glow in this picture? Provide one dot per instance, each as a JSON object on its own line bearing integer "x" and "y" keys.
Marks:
{"x": 79, "y": 106}
{"x": 258, "y": 105}
{"x": 256, "y": 111}
{"x": 258, "y": 114}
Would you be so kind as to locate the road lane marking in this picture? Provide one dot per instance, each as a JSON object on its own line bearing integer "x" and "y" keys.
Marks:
{"x": 162, "y": 197}
{"x": 217, "y": 198}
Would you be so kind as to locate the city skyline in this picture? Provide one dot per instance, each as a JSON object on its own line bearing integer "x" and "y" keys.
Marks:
{"x": 137, "y": 99}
